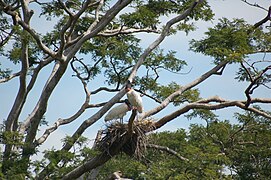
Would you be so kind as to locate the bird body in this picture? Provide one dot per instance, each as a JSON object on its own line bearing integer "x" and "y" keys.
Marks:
{"x": 135, "y": 99}
{"x": 117, "y": 176}
{"x": 118, "y": 112}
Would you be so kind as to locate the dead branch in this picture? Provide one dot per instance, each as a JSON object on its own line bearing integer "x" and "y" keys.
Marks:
{"x": 255, "y": 5}
{"x": 168, "y": 150}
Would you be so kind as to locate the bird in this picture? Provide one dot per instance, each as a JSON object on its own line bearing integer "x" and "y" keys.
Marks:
{"x": 119, "y": 111}
{"x": 134, "y": 97}
{"x": 117, "y": 176}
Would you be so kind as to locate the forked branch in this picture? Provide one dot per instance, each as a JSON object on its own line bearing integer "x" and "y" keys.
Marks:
{"x": 219, "y": 104}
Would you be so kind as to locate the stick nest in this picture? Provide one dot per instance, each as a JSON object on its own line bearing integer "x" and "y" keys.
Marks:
{"x": 117, "y": 135}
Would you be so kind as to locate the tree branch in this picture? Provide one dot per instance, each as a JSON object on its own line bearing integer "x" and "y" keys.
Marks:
{"x": 100, "y": 159}
{"x": 255, "y": 5}
{"x": 7, "y": 37}
{"x": 125, "y": 30}
{"x": 3, "y": 80}
{"x": 111, "y": 13}
{"x": 168, "y": 150}
{"x": 254, "y": 84}
{"x": 59, "y": 122}
{"x": 264, "y": 20}
{"x": 221, "y": 103}
{"x": 213, "y": 71}
{"x": 162, "y": 36}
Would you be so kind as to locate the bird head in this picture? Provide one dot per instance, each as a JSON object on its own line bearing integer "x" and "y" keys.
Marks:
{"x": 128, "y": 86}
{"x": 117, "y": 174}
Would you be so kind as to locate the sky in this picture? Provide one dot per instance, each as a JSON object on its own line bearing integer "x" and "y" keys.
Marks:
{"x": 69, "y": 95}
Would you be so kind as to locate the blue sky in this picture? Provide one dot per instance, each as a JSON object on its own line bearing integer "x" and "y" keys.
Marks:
{"x": 69, "y": 95}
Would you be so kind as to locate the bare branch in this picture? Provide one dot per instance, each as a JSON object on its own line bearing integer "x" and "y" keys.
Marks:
{"x": 65, "y": 8}
{"x": 104, "y": 89}
{"x": 59, "y": 122}
{"x": 7, "y": 37}
{"x": 254, "y": 84}
{"x": 162, "y": 36}
{"x": 103, "y": 22}
{"x": 131, "y": 122}
{"x": 12, "y": 120}
{"x": 255, "y": 5}
{"x": 27, "y": 14}
{"x": 147, "y": 95}
{"x": 168, "y": 150}
{"x": 73, "y": 18}
{"x": 10, "y": 77}
{"x": 221, "y": 103}
{"x": 264, "y": 20}
{"x": 214, "y": 71}
{"x": 97, "y": 12}
{"x": 36, "y": 36}
{"x": 76, "y": 71}
{"x": 125, "y": 30}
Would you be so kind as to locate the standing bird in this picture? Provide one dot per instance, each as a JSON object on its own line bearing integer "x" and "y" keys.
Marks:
{"x": 119, "y": 111}
{"x": 134, "y": 97}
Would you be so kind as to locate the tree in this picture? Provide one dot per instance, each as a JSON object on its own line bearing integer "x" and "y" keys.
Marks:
{"x": 220, "y": 150}
{"x": 105, "y": 33}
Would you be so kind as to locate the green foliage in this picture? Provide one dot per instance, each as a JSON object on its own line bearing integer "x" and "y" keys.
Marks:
{"x": 252, "y": 161}
{"x": 161, "y": 92}
{"x": 135, "y": 19}
{"x": 4, "y": 73}
{"x": 160, "y": 60}
{"x": 69, "y": 159}
{"x": 243, "y": 148}
{"x": 204, "y": 114}
{"x": 15, "y": 53}
{"x": 226, "y": 41}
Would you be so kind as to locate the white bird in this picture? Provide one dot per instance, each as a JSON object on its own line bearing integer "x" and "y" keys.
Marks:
{"x": 117, "y": 176}
{"x": 134, "y": 97}
{"x": 119, "y": 111}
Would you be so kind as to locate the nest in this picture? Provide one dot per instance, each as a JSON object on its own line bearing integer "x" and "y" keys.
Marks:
{"x": 116, "y": 135}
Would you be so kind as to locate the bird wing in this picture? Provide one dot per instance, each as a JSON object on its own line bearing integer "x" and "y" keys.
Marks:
{"x": 117, "y": 112}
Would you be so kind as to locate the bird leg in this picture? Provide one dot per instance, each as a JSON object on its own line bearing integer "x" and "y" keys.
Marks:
{"x": 121, "y": 120}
